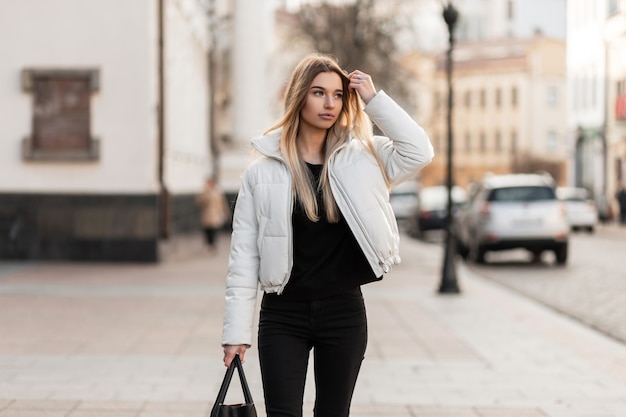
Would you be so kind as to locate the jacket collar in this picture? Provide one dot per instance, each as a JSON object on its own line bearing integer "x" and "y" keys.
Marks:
{"x": 269, "y": 145}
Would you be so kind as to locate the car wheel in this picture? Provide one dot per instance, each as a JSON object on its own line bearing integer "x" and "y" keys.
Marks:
{"x": 590, "y": 229}
{"x": 561, "y": 255}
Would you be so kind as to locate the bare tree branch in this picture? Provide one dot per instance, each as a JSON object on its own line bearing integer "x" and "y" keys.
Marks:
{"x": 361, "y": 37}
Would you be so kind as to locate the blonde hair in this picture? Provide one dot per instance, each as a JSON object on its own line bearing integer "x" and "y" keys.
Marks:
{"x": 352, "y": 119}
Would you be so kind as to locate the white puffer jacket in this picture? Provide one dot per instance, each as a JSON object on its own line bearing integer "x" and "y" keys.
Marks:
{"x": 261, "y": 246}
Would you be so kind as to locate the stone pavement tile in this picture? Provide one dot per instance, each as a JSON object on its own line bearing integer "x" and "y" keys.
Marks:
{"x": 172, "y": 413}
{"x": 380, "y": 410}
{"x": 197, "y": 407}
{"x": 33, "y": 413}
{"x": 425, "y": 411}
{"x": 48, "y": 405}
{"x": 111, "y": 406}
{"x": 400, "y": 328}
{"x": 5, "y": 403}
{"x": 509, "y": 412}
{"x": 102, "y": 413}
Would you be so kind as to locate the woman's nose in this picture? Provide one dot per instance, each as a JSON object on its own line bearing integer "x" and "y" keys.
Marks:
{"x": 329, "y": 103}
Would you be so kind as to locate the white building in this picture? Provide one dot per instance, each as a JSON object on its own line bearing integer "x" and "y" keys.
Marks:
{"x": 596, "y": 73}
{"x": 615, "y": 38}
{"x": 105, "y": 128}
{"x": 485, "y": 20}
{"x": 586, "y": 78}
{"x": 496, "y": 19}
{"x": 253, "y": 90}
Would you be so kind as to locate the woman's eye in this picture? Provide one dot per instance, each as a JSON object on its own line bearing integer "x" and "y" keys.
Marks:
{"x": 340, "y": 95}
{"x": 318, "y": 93}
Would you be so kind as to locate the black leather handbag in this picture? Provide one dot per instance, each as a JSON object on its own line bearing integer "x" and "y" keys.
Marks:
{"x": 246, "y": 409}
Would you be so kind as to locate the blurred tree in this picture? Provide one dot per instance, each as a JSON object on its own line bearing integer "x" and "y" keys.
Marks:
{"x": 361, "y": 35}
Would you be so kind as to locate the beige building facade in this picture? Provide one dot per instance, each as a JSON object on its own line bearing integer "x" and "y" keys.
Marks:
{"x": 509, "y": 109}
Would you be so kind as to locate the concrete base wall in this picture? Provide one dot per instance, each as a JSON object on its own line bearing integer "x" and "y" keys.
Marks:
{"x": 90, "y": 227}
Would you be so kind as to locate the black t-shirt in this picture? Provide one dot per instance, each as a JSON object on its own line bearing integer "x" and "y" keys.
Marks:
{"x": 327, "y": 259}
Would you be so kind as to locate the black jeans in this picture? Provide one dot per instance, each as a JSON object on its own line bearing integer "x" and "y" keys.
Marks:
{"x": 335, "y": 328}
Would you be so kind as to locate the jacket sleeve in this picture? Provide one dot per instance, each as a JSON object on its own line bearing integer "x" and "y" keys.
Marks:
{"x": 406, "y": 148}
{"x": 243, "y": 269}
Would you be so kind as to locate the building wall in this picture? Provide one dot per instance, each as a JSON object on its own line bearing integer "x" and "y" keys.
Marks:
{"x": 616, "y": 88}
{"x": 587, "y": 83}
{"x": 112, "y": 206}
{"x": 500, "y": 138}
{"x": 253, "y": 45}
{"x": 548, "y": 101}
{"x": 112, "y": 36}
{"x": 490, "y": 19}
{"x": 187, "y": 152}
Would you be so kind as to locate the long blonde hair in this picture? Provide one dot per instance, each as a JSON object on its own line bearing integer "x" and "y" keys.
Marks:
{"x": 351, "y": 119}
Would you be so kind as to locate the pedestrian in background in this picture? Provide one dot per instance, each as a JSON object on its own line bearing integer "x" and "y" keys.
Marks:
{"x": 311, "y": 225}
{"x": 621, "y": 200}
{"x": 214, "y": 213}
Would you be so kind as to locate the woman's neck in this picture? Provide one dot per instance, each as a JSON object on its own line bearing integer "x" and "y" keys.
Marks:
{"x": 311, "y": 146}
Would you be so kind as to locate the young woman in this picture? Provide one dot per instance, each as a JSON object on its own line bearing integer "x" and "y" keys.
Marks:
{"x": 311, "y": 225}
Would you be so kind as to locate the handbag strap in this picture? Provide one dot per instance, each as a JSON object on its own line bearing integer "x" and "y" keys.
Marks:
{"x": 236, "y": 363}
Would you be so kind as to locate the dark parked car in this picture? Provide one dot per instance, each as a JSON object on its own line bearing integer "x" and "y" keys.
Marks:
{"x": 431, "y": 209}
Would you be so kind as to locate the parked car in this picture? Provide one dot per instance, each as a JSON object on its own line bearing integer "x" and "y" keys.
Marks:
{"x": 513, "y": 211}
{"x": 432, "y": 208}
{"x": 581, "y": 211}
{"x": 403, "y": 199}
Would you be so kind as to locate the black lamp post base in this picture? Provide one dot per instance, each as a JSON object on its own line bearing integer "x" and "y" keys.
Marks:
{"x": 449, "y": 283}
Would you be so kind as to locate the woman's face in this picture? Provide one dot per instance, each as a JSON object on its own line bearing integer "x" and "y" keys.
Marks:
{"x": 324, "y": 101}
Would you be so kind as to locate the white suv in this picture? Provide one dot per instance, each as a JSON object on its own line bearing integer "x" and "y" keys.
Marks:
{"x": 513, "y": 211}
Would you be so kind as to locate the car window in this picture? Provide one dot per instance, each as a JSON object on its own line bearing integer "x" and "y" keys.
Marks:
{"x": 529, "y": 193}
{"x": 573, "y": 198}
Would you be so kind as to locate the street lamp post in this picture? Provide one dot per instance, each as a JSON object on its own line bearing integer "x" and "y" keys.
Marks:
{"x": 449, "y": 283}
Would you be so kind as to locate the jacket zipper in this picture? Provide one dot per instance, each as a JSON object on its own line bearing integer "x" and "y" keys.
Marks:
{"x": 368, "y": 243}
{"x": 290, "y": 237}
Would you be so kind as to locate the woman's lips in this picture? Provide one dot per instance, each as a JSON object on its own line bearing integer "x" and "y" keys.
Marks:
{"x": 327, "y": 116}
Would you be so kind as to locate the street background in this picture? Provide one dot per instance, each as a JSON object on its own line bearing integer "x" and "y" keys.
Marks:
{"x": 85, "y": 339}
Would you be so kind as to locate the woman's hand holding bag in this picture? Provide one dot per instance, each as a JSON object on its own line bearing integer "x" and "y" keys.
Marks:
{"x": 246, "y": 409}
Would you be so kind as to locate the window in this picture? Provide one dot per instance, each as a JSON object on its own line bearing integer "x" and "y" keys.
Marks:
{"x": 498, "y": 140}
{"x": 513, "y": 141}
{"x": 509, "y": 10}
{"x": 551, "y": 141}
{"x": 498, "y": 97}
{"x": 594, "y": 92}
{"x": 468, "y": 99}
{"x": 514, "y": 97}
{"x": 522, "y": 193}
{"x": 551, "y": 96}
{"x": 468, "y": 142}
{"x": 483, "y": 142}
{"x": 61, "y": 121}
{"x": 620, "y": 100}
{"x": 483, "y": 98}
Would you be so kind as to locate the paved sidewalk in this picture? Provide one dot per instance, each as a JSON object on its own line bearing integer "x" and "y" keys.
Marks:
{"x": 80, "y": 340}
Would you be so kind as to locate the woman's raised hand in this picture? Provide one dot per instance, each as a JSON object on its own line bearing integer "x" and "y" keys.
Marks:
{"x": 362, "y": 83}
